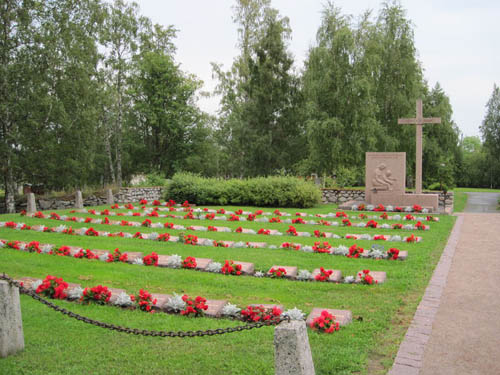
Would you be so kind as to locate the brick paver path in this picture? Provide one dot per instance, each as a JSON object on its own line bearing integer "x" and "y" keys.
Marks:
{"x": 456, "y": 329}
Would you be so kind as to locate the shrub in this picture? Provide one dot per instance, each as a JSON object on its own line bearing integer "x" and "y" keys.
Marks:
{"x": 260, "y": 191}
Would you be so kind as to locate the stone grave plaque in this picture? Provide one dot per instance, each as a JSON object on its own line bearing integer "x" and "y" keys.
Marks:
{"x": 202, "y": 263}
{"x": 214, "y": 307}
{"x": 115, "y": 293}
{"x": 291, "y": 272}
{"x": 378, "y": 276}
{"x": 344, "y": 317}
{"x": 161, "y": 300}
{"x": 27, "y": 281}
{"x": 335, "y": 277}
{"x": 246, "y": 267}
{"x": 132, "y": 255}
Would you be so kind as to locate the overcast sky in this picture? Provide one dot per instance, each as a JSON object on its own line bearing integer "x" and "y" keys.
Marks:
{"x": 457, "y": 42}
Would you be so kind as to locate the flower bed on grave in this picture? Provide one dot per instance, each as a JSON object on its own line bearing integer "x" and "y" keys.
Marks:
{"x": 228, "y": 267}
{"x": 194, "y": 240}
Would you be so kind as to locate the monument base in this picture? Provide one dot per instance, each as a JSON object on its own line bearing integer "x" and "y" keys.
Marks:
{"x": 428, "y": 201}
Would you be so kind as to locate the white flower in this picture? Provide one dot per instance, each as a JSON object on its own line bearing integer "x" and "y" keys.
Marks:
{"x": 389, "y": 208}
{"x": 138, "y": 261}
{"x": 294, "y": 314}
{"x": 259, "y": 274}
{"x": 75, "y": 293}
{"x": 123, "y": 299}
{"x": 408, "y": 209}
{"x": 151, "y": 236}
{"x": 306, "y": 234}
{"x": 370, "y": 207}
{"x": 425, "y": 211}
{"x": 22, "y": 246}
{"x": 354, "y": 207}
{"x": 396, "y": 217}
{"x": 60, "y": 228}
{"x": 272, "y": 247}
{"x": 341, "y": 250}
{"x": 239, "y": 244}
{"x": 97, "y": 221}
{"x": 335, "y": 236}
{"x": 175, "y": 303}
{"x": 361, "y": 225}
{"x": 395, "y": 238}
{"x": 334, "y": 223}
{"x": 307, "y": 249}
{"x": 36, "y": 284}
{"x": 2, "y": 244}
{"x": 385, "y": 226}
{"x": 38, "y": 228}
{"x": 230, "y": 310}
{"x": 2, "y": 224}
{"x": 213, "y": 267}
{"x": 127, "y": 235}
{"x": 349, "y": 279}
{"x": 287, "y": 221}
{"x": 104, "y": 257}
{"x": 174, "y": 261}
{"x": 408, "y": 227}
{"x": 365, "y": 237}
{"x": 46, "y": 248}
{"x": 304, "y": 275}
{"x": 376, "y": 254}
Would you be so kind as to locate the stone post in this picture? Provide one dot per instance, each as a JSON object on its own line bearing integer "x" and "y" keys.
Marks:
{"x": 31, "y": 207}
{"x": 78, "y": 200}
{"x": 109, "y": 197}
{"x": 11, "y": 324}
{"x": 292, "y": 354}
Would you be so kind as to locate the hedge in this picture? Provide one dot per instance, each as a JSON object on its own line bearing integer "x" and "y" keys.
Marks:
{"x": 260, "y": 191}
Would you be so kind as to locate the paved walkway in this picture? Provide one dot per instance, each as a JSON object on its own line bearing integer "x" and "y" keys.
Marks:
{"x": 456, "y": 329}
{"x": 482, "y": 202}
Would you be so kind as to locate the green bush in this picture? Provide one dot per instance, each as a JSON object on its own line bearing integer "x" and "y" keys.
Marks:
{"x": 260, "y": 191}
{"x": 437, "y": 186}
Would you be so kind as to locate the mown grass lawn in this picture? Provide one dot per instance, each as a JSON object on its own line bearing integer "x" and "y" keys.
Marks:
{"x": 56, "y": 344}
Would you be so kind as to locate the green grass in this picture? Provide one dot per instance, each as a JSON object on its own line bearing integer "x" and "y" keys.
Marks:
{"x": 459, "y": 201}
{"x": 56, "y": 344}
{"x": 476, "y": 190}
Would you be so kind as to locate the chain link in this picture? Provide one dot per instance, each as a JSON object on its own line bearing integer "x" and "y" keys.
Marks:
{"x": 135, "y": 331}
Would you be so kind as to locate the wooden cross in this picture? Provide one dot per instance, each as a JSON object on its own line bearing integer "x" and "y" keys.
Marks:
{"x": 419, "y": 121}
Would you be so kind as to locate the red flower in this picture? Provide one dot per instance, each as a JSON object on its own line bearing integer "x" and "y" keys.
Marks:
{"x": 323, "y": 274}
{"x": 371, "y": 224}
{"x": 189, "y": 262}
{"x": 210, "y": 216}
{"x": 340, "y": 214}
{"x": 234, "y": 217}
{"x": 164, "y": 237}
{"x": 229, "y": 268}
{"x": 277, "y": 272}
{"x": 117, "y": 256}
{"x": 298, "y": 220}
{"x": 322, "y": 247}
{"x": 317, "y": 233}
{"x": 325, "y": 323}
{"x": 355, "y": 251}
{"x": 53, "y": 287}
{"x": 346, "y": 222}
{"x": 146, "y": 223}
{"x": 393, "y": 253}
{"x": 91, "y": 232}
{"x": 190, "y": 239}
{"x": 151, "y": 259}
{"x": 292, "y": 231}
{"x": 260, "y": 314}
{"x": 196, "y": 306}
{"x": 275, "y": 220}
{"x": 98, "y": 294}
{"x": 264, "y": 231}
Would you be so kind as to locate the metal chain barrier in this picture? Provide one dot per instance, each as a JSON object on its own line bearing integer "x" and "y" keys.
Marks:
{"x": 135, "y": 331}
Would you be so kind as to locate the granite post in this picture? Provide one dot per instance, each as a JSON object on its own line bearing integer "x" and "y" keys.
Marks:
{"x": 292, "y": 354}
{"x": 78, "y": 200}
{"x": 11, "y": 324}
{"x": 31, "y": 206}
{"x": 109, "y": 197}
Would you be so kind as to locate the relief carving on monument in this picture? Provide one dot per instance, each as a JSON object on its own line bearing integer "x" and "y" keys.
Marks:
{"x": 382, "y": 178}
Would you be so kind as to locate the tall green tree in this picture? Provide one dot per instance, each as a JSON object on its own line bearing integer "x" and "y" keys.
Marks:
{"x": 120, "y": 38}
{"x": 490, "y": 132}
{"x": 260, "y": 121}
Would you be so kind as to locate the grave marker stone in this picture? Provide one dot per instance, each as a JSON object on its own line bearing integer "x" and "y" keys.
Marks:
{"x": 109, "y": 197}
{"x": 31, "y": 206}
{"x": 292, "y": 353}
{"x": 78, "y": 200}
{"x": 11, "y": 324}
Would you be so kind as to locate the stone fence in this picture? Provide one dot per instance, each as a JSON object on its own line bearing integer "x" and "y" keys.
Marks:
{"x": 122, "y": 196}
{"x": 341, "y": 196}
{"x": 135, "y": 194}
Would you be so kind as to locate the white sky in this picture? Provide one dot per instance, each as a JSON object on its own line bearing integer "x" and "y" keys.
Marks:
{"x": 457, "y": 42}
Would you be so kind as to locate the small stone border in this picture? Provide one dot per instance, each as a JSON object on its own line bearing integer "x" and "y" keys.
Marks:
{"x": 408, "y": 361}
{"x": 247, "y": 269}
{"x": 215, "y": 307}
{"x": 403, "y": 255}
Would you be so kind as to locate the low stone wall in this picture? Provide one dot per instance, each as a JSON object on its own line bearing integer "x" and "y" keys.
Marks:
{"x": 135, "y": 194}
{"x": 124, "y": 195}
{"x": 341, "y": 196}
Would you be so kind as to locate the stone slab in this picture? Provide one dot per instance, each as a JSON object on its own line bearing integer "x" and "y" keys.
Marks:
{"x": 27, "y": 281}
{"x": 291, "y": 271}
{"x": 344, "y": 317}
{"x": 335, "y": 277}
{"x": 215, "y": 307}
{"x": 379, "y": 276}
{"x": 257, "y": 245}
{"x": 403, "y": 255}
{"x": 115, "y": 293}
{"x": 131, "y": 255}
{"x": 161, "y": 300}
{"x": 246, "y": 267}
{"x": 162, "y": 260}
{"x": 202, "y": 263}
{"x": 268, "y": 306}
